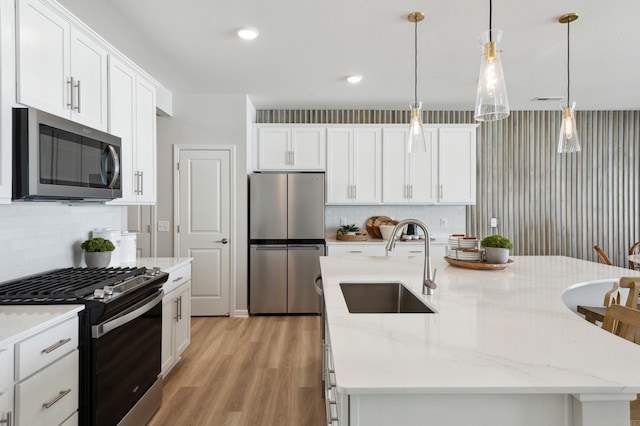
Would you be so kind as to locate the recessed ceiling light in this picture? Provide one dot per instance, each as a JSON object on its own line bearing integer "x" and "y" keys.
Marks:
{"x": 354, "y": 79}
{"x": 247, "y": 33}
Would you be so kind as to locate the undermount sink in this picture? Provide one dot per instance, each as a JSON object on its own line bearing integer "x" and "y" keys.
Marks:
{"x": 382, "y": 298}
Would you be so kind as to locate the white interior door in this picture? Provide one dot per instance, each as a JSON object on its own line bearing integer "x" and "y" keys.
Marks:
{"x": 203, "y": 216}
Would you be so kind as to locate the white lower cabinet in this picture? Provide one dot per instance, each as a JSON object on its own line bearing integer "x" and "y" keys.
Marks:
{"x": 335, "y": 403}
{"x": 46, "y": 368}
{"x": 404, "y": 249}
{"x": 176, "y": 318}
{"x": 50, "y": 396}
{"x": 6, "y": 407}
{"x": 354, "y": 249}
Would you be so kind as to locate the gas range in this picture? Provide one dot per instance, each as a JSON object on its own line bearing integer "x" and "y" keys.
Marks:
{"x": 120, "y": 336}
{"x": 102, "y": 290}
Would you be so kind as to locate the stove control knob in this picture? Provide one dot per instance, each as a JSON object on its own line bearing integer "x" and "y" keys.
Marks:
{"x": 153, "y": 272}
{"x": 108, "y": 290}
{"x": 98, "y": 293}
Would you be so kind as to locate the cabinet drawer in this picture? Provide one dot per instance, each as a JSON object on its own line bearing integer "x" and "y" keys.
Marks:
{"x": 37, "y": 351}
{"x": 177, "y": 278}
{"x": 356, "y": 249}
{"x": 50, "y": 396}
{"x": 6, "y": 370}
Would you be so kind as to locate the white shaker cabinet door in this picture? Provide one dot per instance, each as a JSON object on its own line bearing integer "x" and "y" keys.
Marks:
{"x": 145, "y": 141}
{"x": 367, "y": 165}
{"x": 42, "y": 58}
{"x": 395, "y": 166}
{"x": 122, "y": 87}
{"x": 89, "y": 71}
{"x": 308, "y": 148}
{"x": 339, "y": 165}
{"x": 423, "y": 170}
{"x": 182, "y": 337}
{"x": 273, "y": 148}
{"x": 457, "y": 151}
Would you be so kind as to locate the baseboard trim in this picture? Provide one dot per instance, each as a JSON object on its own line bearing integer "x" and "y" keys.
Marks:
{"x": 241, "y": 313}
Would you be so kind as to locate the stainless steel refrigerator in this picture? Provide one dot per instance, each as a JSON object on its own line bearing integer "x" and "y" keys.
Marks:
{"x": 286, "y": 236}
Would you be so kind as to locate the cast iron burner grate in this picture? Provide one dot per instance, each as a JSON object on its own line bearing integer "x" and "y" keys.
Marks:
{"x": 63, "y": 285}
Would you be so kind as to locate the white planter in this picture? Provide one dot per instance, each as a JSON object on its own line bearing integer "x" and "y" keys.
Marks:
{"x": 496, "y": 255}
{"x": 99, "y": 259}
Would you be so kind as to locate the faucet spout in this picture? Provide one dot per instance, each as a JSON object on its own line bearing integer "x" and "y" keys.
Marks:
{"x": 429, "y": 276}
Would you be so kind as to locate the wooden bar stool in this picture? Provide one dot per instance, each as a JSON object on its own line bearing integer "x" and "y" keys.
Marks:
{"x": 635, "y": 249}
{"x": 602, "y": 255}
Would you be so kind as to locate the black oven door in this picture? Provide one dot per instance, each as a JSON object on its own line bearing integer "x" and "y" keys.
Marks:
{"x": 126, "y": 351}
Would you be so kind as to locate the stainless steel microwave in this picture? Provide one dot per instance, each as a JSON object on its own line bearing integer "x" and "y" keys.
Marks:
{"x": 58, "y": 159}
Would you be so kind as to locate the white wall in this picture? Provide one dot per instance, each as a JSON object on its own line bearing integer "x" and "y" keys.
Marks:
{"x": 207, "y": 120}
{"x": 37, "y": 237}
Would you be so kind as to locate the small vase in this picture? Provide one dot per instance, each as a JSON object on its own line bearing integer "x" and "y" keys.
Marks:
{"x": 99, "y": 259}
{"x": 496, "y": 255}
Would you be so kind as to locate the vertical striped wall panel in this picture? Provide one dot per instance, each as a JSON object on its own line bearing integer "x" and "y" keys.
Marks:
{"x": 546, "y": 203}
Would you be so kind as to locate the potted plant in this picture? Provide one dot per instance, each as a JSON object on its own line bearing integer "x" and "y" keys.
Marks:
{"x": 496, "y": 248}
{"x": 349, "y": 229}
{"x": 97, "y": 252}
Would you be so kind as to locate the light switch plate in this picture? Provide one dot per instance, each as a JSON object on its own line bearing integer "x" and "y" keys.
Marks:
{"x": 494, "y": 222}
{"x": 163, "y": 226}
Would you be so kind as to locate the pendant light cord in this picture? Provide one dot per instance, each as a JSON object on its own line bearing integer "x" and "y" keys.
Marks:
{"x": 568, "y": 74}
{"x": 415, "y": 64}
{"x": 490, "y": 10}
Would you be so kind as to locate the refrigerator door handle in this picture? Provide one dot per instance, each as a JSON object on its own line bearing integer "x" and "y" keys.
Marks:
{"x": 304, "y": 247}
{"x": 271, "y": 248}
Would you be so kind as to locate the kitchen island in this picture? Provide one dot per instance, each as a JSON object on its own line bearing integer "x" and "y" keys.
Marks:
{"x": 501, "y": 349}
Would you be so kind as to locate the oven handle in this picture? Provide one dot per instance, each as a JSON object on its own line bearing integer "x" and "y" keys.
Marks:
{"x": 126, "y": 316}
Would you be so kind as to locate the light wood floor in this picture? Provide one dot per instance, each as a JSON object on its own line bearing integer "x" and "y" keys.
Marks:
{"x": 247, "y": 371}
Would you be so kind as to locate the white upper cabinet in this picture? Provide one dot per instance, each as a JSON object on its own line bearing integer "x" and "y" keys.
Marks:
{"x": 409, "y": 178}
{"x": 457, "y": 165}
{"x": 60, "y": 68}
{"x": 289, "y": 148}
{"x": 354, "y": 165}
{"x": 132, "y": 118}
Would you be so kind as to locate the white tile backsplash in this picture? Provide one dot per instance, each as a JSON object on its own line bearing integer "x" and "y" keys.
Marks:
{"x": 432, "y": 216}
{"x": 37, "y": 237}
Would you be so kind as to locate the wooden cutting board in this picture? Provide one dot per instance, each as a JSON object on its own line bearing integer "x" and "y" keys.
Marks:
{"x": 370, "y": 230}
{"x": 380, "y": 220}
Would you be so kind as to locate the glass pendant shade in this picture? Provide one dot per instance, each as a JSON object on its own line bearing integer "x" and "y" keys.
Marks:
{"x": 492, "y": 102}
{"x": 569, "y": 141}
{"x": 415, "y": 139}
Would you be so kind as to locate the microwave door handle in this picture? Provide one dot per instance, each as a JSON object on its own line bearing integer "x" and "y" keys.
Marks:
{"x": 116, "y": 166}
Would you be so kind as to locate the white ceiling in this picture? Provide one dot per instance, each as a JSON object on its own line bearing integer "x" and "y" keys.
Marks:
{"x": 307, "y": 48}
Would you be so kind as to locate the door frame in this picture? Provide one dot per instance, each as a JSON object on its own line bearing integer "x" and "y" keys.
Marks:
{"x": 231, "y": 149}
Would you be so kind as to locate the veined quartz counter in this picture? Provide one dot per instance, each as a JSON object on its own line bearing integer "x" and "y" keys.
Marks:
{"x": 496, "y": 335}
{"x": 18, "y": 321}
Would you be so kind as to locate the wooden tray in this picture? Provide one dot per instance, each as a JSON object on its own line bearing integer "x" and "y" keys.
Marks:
{"x": 483, "y": 266}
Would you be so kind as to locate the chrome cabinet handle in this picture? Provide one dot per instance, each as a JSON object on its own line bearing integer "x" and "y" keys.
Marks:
{"x": 355, "y": 251}
{"x": 77, "y": 86}
{"x": 141, "y": 183}
{"x": 61, "y": 395}
{"x": 223, "y": 241}
{"x": 180, "y": 308}
{"x": 441, "y": 191}
{"x": 8, "y": 421}
{"x": 176, "y": 316}
{"x": 70, "y": 86}
{"x": 55, "y": 346}
{"x": 175, "y": 280}
{"x": 411, "y": 191}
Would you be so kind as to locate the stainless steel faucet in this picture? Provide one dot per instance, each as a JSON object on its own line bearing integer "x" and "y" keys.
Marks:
{"x": 428, "y": 279}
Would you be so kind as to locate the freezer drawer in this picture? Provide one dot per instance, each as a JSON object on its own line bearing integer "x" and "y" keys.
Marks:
{"x": 303, "y": 266}
{"x": 268, "y": 279}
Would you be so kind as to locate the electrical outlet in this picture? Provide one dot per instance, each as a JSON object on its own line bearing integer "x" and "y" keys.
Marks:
{"x": 494, "y": 222}
{"x": 343, "y": 221}
{"x": 163, "y": 226}
{"x": 443, "y": 221}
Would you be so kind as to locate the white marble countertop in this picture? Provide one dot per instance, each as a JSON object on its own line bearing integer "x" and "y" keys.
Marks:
{"x": 494, "y": 331}
{"x": 17, "y": 322}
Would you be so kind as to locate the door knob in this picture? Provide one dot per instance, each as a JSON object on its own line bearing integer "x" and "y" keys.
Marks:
{"x": 223, "y": 241}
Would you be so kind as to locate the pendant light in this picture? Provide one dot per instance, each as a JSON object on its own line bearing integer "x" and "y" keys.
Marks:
{"x": 415, "y": 140}
{"x": 569, "y": 141}
{"x": 492, "y": 102}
